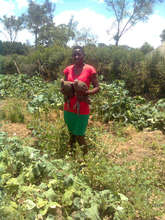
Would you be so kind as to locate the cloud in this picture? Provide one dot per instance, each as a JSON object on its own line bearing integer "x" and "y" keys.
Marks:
{"x": 98, "y": 1}
{"x": 101, "y": 1}
{"x": 3, "y": 35}
{"x": 25, "y": 36}
{"x": 145, "y": 32}
{"x": 7, "y": 8}
{"x": 57, "y": 1}
{"x": 99, "y": 24}
{"x": 22, "y": 3}
{"x": 89, "y": 19}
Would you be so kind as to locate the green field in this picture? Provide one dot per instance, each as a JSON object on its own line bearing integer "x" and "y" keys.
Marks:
{"x": 122, "y": 177}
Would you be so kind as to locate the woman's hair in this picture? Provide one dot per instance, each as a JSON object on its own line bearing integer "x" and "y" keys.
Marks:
{"x": 80, "y": 48}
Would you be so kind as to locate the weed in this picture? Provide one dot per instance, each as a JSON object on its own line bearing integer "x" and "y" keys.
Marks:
{"x": 2, "y": 115}
{"x": 13, "y": 110}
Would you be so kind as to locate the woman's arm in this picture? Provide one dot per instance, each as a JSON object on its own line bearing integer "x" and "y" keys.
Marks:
{"x": 95, "y": 84}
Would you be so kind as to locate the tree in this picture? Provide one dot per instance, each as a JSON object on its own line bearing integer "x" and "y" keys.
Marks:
{"x": 63, "y": 33}
{"x": 1, "y": 47}
{"x": 84, "y": 37}
{"x": 146, "y": 48}
{"x": 50, "y": 34}
{"x": 162, "y": 36}
{"x": 128, "y": 13}
{"x": 60, "y": 34}
{"x": 39, "y": 17}
{"x": 8, "y": 47}
{"x": 13, "y": 25}
{"x": 72, "y": 27}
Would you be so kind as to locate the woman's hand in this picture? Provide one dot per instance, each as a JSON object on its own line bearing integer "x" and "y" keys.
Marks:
{"x": 92, "y": 91}
{"x": 95, "y": 84}
{"x": 87, "y": 92}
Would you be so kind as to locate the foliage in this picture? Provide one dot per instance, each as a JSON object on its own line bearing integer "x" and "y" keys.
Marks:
{"x": 119, "y": 106}
{"x": 58, "y": 35}
{"x": 39, "y": 16}
{"x": 48, "y": 62}
{"x": 7, "y": 65}
{"x": 39, "y": 186}
{"x": 144, "y": 74}
{"x": 155, "y": 75}
{"x": 162, "y": 36}
{"x": 43, "y": 181}
{"x": 48, "y": 182}
{"x": 13, "y": 111}
{"x": 40, "y": 94}
{"x": 7, "y": 48}
{"x": 84, "y": 36}
{"x": 13, "y": 25}
{"x": 146, "y": 48}
{"x": 22, "y": 86}
{"x": 116, "y": 105}
{"x": 46, "y": 99}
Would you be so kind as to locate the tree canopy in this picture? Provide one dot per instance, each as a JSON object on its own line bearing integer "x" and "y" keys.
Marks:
{"x": 39, "y": 17}
{"x": 39, "y": 20}
{"x": 13, "y": 25}
{"x": 162, "y": 36}
{"x": 146, "y": 48}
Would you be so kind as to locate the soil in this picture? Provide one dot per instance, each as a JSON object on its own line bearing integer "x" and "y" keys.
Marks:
{"x": 133, "y": 144}
{"x": 15, "y": 129}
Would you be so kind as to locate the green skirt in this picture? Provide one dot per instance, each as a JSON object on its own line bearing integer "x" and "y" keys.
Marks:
{"x": 76, "y": 123}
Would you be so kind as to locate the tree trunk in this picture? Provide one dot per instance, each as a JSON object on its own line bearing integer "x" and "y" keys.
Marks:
{"x": 36, "y": 38}
{"x": 18, "y": 70}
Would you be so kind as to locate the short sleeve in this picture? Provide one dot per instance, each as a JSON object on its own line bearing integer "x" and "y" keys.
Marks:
{"x": 65, "y": 71}
{"x": 92, "y": 70}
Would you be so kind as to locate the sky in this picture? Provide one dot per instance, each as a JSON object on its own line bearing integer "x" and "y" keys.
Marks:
{"x": 94, "y": 16}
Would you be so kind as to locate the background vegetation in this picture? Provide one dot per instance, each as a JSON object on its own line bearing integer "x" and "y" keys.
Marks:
{"x": 142, "y": 69}
{"x": 143, "y": 72}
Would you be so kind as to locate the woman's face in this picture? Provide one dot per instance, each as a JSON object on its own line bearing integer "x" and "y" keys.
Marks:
{"x": 78, "y": 56}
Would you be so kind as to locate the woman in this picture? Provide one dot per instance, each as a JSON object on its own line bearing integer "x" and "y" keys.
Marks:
{"x": 77, "y": 123}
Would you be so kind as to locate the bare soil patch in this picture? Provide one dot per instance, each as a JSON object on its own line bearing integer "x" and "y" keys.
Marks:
{"x": 15, "y": 129}
{"x": 142, "y": 144}
{"x": 135, "y": 145}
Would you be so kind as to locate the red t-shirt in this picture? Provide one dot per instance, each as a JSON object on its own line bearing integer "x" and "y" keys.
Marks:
{"x": 85, "y": 76}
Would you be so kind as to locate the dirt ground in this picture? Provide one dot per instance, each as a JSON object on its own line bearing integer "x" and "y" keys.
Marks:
{"x": 136, "y": 145}
{"x": 15, "y": 129}
{"x": 142, "y": 144}
{"x": 133, "y": 144}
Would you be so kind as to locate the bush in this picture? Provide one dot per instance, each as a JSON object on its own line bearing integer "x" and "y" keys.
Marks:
{"x": 48, "y": 62}
{"x": 8, "y": 48}
{"x": 143, "y": 75}
{"x": 7, "y": 65}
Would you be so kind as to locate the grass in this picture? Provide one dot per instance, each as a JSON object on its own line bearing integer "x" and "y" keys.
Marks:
{"x": 120, "y": 159}
{"x": 13, "y": 110}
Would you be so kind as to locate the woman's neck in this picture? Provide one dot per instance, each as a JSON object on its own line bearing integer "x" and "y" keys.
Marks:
{"x": 79, "y": 65}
